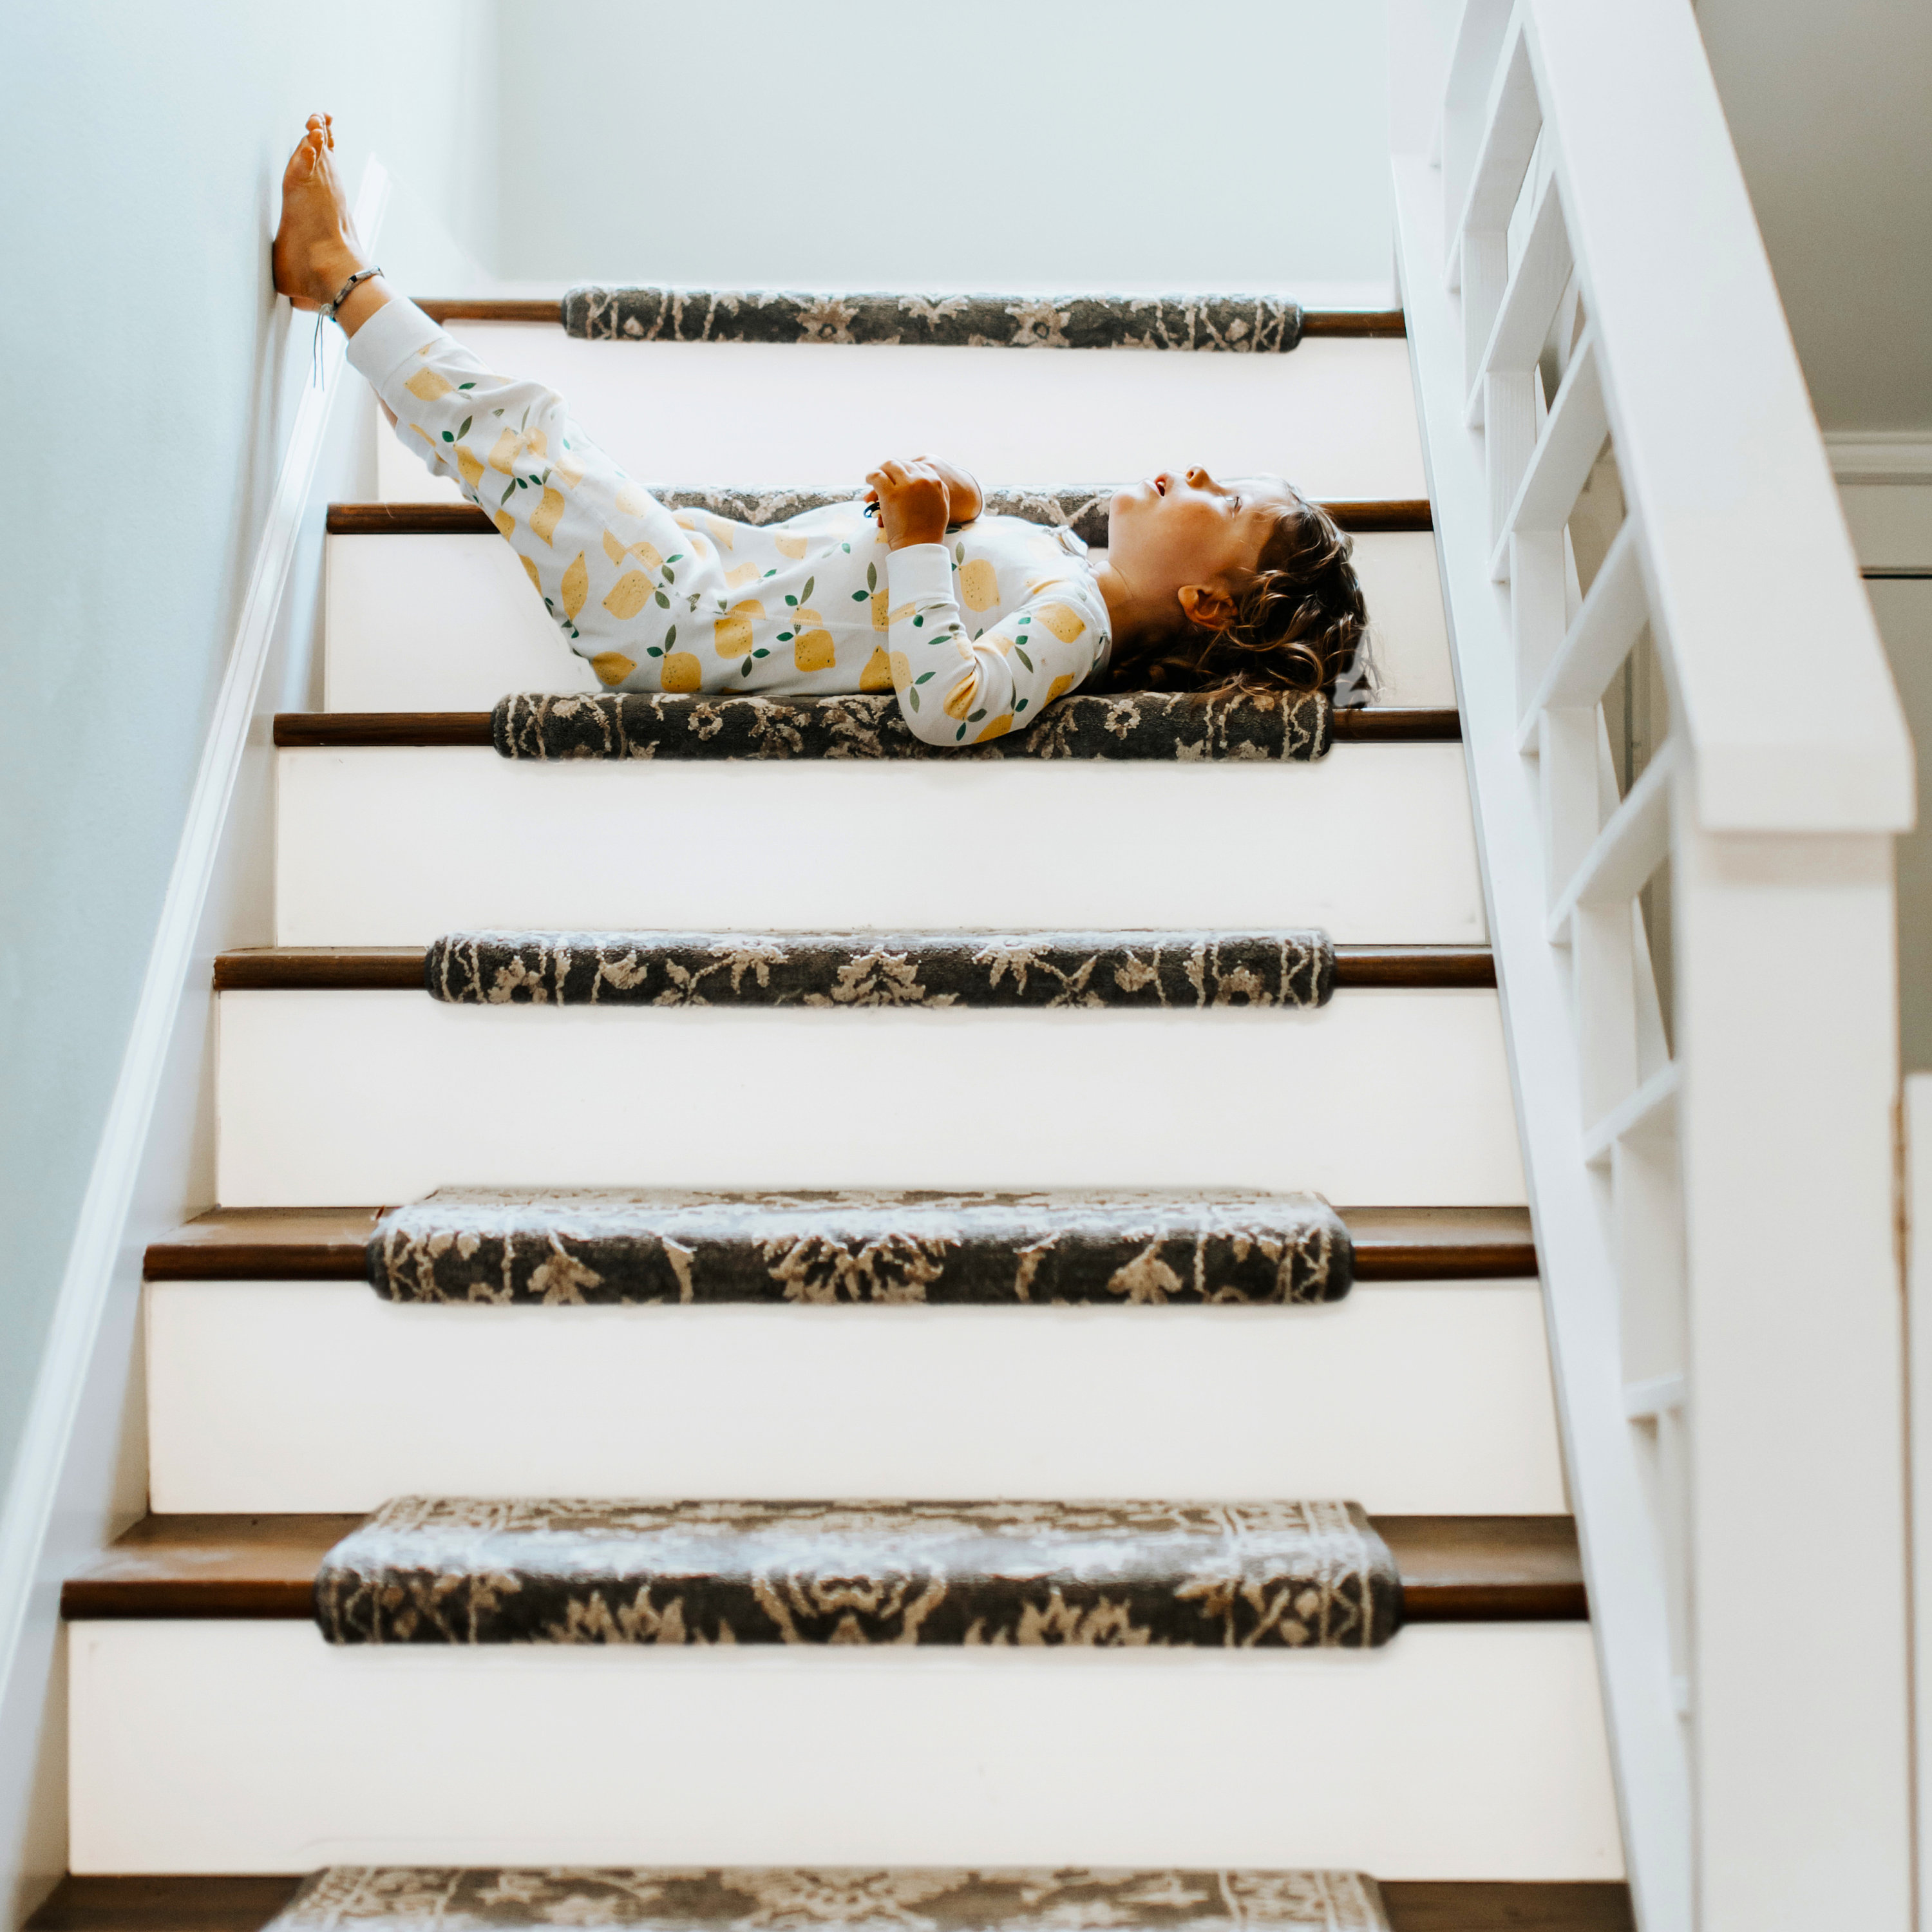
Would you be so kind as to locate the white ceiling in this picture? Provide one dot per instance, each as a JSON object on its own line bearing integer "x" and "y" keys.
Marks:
{"x": 1831, "y": 108}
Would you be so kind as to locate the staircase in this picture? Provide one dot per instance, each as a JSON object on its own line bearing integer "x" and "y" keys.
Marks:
{"x": 791, "y": 1195}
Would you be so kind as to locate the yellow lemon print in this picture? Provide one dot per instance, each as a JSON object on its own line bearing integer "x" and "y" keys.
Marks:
{"x": 649, "y": 555}
{"x": 791, "y": 547}
{"x": 547, "y": 514}
{"x": 731, "y": 634}
{"x": 1063, "y": 620}
{"x": 741, "y": 574}
{"x": 995, "y": 727}
{"x": 685, "y": 520}
{"x": 897, "y": 616}
{"x": 576, "y": 588}
{"x": 721, "y": 531}
{"x": 812, "y": 650}
{"x": 979, "y": 585}
{"x": 533, "y": 440}
{"x": 877, "y": 675}
{"x": 901, "y": 670}
{"x": 568, "y": 471}
{"x": 612, "y": 666}
{"x": 631, "y": 500}
{"x": 530, "y": 563}
{"x": 1001, "y": 641}
{"x": 426, "y": 436}
{"x": 628, "y": 595}
{"x": 1059, "y": 685}
{"x": 473, "y": 470}
{"x": 427, "y": 386}
{"x": 880, "y": 619}
{"x": 964, "y": 696}
{"x": 503, "y": 457}
{"x": 681, "y": 671}
{"x": 506, "y": 525}
{"x": 613, "y": 550}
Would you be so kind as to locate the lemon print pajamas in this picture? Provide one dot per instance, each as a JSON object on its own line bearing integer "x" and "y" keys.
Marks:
{"x": 976, "y": 635}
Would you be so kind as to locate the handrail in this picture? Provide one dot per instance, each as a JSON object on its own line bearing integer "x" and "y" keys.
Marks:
{"x": 1684, "y": 813}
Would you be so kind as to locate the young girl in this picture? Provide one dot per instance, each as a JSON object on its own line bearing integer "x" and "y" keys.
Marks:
{"x": 978, "y": 623}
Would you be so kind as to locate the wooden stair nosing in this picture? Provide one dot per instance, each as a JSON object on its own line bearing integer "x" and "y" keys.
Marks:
{"x": 1364, "y": 724}
{"x": 1431, "y": 1244}
{"x": 1357, "y": 323}
{"x": 1476, "y": 1569}
{"x": 1363, "y": 514}
{"x": 400, "y": 968}
{"x": 208, "y": 1902}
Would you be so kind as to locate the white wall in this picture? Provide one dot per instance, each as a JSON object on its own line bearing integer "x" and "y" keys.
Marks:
{"x": 1005, "y": 143}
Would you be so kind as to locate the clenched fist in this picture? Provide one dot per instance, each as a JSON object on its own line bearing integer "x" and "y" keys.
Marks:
{"x": 919, "y": 497}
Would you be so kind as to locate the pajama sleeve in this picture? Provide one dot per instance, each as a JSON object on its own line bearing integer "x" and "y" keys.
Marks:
{"x": 955, "y": 688}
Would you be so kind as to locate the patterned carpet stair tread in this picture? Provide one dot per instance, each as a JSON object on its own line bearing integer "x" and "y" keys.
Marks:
{"x": 1081, "y": 507}
{"x": 455, "y": 1570}
{"x": 1250, "y": 726}
{"x": 226, "y": 1902}
{"x": 1453, "y": 1569}
{"x": 587, "y": 1246}
{"x": 1163, "y": 970}
{"x": 643, "y": 312}
{"x": 1427, "y": 1244}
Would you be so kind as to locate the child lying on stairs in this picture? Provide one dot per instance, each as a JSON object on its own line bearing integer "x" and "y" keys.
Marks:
{"x": 978, "y": 623}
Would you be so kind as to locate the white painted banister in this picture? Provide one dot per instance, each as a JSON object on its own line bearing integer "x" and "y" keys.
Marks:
{"x": 1686, "y": 760}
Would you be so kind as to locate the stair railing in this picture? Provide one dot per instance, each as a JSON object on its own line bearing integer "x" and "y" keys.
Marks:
{"x": 1686, "y": 760}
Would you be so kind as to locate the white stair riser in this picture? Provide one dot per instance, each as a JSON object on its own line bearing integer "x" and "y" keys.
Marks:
{"x": 1415, "y": 1400}
{"x": 1373, "y": 844}
{"x": 1338, "y": 416}
{"x": 450, "y": 623}
{"x": 1384, "y": 1095}
{"x": 1470, "y": 1751}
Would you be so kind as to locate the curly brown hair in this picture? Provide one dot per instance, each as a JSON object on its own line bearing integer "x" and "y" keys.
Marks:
{"x": 1300, "y": 622}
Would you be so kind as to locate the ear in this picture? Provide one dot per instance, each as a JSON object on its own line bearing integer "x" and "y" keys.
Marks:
{"x": 1207, "y": 605}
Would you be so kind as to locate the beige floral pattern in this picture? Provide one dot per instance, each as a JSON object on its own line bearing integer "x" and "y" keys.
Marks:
{"x": 1171, "y": 970}
{"x": 1238, "y": 324}
{"x": 1292, "y": 727}
{"x": 777, "y": 1899}
{"x": 1223, "y": 1575}
{"x": 582, "y": 1246}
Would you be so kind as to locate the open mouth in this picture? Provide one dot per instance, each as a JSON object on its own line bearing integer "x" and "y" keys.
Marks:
{"x": 1160, "y": 486}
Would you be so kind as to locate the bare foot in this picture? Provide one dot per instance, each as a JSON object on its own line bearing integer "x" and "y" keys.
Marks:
{"x": 315, "y": 249}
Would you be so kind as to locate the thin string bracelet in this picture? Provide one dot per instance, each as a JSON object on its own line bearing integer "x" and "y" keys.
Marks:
{"x": 327, "y": 314}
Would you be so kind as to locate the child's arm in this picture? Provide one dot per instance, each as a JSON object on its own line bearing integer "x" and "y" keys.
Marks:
{"x": 954, "y": 688}
{"x": 964, "y": 501}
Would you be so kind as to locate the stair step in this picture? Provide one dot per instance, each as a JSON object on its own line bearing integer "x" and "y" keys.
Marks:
{"x": 1373, "y": 842}
{"x": 1080, "y": 508}
{"x": 431, "y": 616}
{"x": 229, "y": 1902}
{"x": 1339, "y": 414}
{"x": 462, "y": 968}
{"x": 334, "y": 1085}
{"x": 332, "y": 1244}
{"x": 1452, "y": 1569}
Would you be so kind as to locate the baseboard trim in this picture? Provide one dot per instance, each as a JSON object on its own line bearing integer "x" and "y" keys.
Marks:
{"x": 73, "y": 1488}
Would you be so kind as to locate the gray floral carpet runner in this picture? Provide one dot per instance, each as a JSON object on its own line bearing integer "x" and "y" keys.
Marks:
{"x": 1170, "y": 970}
{"x": 594, "y": 1246}
{"x": 1081, "y": 507}
{"x": 779, "y": 1899}
{"x": 1243, "y": 324}
{"x": 1265, "y": 727}
{"x": 461, "y": 1570}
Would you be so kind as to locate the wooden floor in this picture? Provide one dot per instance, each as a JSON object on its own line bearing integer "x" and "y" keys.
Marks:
{"x": 224, "y": 1904}
{"x": 327, "y": 1244}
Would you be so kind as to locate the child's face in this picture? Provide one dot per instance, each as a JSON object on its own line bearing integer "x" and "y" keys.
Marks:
{"x": 1172, "y": 532}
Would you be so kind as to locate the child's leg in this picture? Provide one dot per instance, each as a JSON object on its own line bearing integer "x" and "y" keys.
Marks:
{"x": 613, "y": 568}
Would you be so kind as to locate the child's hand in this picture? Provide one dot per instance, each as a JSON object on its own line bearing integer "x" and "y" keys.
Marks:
{"x": 913, "y": 501}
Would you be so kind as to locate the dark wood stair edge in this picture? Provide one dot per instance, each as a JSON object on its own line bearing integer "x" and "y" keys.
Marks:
{"x": 1472, "y": 1569}
{"x": 221, "y": 1902}
{"x": 1369, "y": 723}
{"x": 300, "y": 1244}
{"x": 1357, "y": 322}
{"x": 400, "y": 968}
{"x": 1365, "y": 515}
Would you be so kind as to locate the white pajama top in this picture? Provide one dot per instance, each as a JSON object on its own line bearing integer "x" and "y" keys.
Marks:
{"x": 976, "y": 635}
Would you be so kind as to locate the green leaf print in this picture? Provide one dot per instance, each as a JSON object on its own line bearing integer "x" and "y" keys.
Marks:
{"x": 465, "y": 430}
{"x": 524, "y": 421}
{"x": 653, "y": 650}
{"x": 1019, "y": 705}
{"x": 958, "y": 553}
{"x": 744, "y": 669}
{"x": 958, "y": 734}
{"x": 670, "y": 575}
{"x": 670, "y": 636}
{"x": 872, "y": 577}
{"x": 919, "y": 621}
{"x": 471, "y": 386}
{"x": 1023, "y": 658}
{"x": 784, "y": 637}
{"x": 663, "y": 602}
{"x": 858, "y": 597}
{"x": 924, "y": 676}
{"x": 772, "y": 572}
{"x": 973, "y": 717}
{"x": 447, "y": 437}
{"x": 761, "y": 652}
{"x": 846, "y": 548}
{"x": 676, "y": 556}
{"x": 790, "y": 598}
{"x": 805, "y": 596}
{"x": 913, "y": 695}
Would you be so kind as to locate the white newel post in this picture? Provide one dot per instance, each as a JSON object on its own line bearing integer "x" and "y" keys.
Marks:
{"x": 1915, "y": 1215}
{"x": 1787, "y": 1013}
